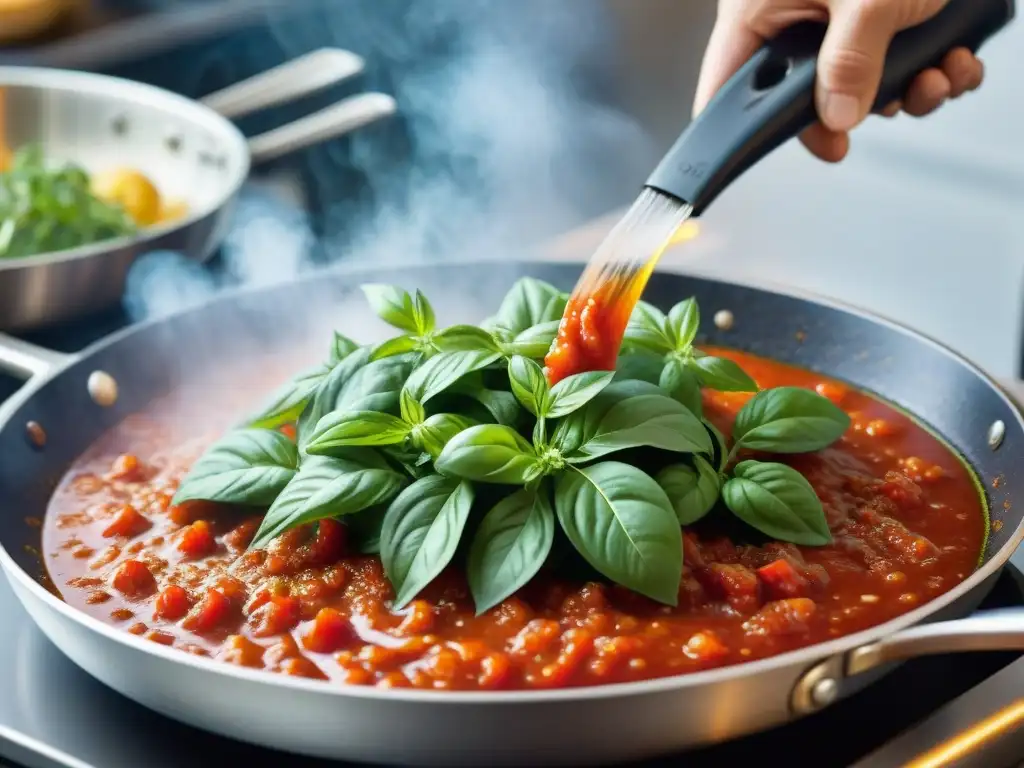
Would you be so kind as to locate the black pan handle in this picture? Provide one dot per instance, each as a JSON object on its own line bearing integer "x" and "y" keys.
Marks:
{"x": 771, "y": 99}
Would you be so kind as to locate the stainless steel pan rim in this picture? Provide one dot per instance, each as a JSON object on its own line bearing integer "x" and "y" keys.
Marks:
{"x": 146, "y": 96}
{"x": 808, "y": 656}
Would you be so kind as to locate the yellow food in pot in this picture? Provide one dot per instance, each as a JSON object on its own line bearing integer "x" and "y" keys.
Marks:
{"x": 172, "y": 210}
{"x": 132, "y": 191}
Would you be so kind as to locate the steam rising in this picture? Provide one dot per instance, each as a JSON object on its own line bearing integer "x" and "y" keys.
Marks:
{"x": 496, "y": 146}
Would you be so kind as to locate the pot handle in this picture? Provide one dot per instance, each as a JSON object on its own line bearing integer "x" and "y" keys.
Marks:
{"x": 287, "y": 82}
{"x": 998, "y": 630}
{"x": 329, "y": 123}
{"x": 27, "y": 361}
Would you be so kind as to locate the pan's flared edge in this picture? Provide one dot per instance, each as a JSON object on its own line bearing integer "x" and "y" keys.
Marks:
{"x": 563, "y": 274}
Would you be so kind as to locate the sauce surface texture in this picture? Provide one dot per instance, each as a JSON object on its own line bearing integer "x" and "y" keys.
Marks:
{"x": 906, "y": 517}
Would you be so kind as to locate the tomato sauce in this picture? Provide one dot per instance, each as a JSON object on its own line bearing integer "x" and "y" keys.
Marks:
{"x": 591, "y": 330}
{"x": 906, "y": 516}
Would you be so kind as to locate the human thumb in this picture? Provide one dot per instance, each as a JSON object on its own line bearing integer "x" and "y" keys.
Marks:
{"x": 852, "y": 59}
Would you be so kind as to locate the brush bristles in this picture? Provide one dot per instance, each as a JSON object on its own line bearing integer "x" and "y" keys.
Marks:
{"x": 631, "y": 250}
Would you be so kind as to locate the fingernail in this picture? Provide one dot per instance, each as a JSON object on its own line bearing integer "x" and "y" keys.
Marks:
{"x": 840, "y": 111}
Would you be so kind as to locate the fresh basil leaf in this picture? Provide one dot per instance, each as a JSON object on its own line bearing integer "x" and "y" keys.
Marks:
{"x": 364, "y": 529}
{"x": 399, "y": 345}
{"x": 629, "y": 414}
{"x": 375, "y": 386}
{"x": 423, "y": 314}
{"x": 435, "y": 433}
{"x": 683, "y": 323}
{"x": 639, "y": 365}
{"x": 573, "y": 392}
{"x": 444, "y": 369}
{"x": 461, "y": 338}
{"x": 623, "y": 524}
{"x": 789, "y": 420}
{"x": 503, "y": 406}
{"x": 488, "y": 453}
{"x": 647, "y": 330}
{"x": 535, "y": 341}
{"x": 341, "y": 347}
{"x": 529, "y": 303}
{"x": 529, "y": 385}
{"x": 327, "y": 487}
{"x": 328, "y": 392}
{"x": 720, "y": 455}
{"x": 288, "y": 402}
{"x": 682, "y": 384}
{"x": 413, "y": 461}
{"x": 722, "y": 374}
{"x": 393, "y": 305}
{"x": 693, "y": 491}
{"x": 510, "y": 546}
{"x": 778, "y": 501}
{"x": 421, "y": 533}
{"x": 412, "y": 411}
{"x": 343, "y": 429}
{"x": 246, "y": 466}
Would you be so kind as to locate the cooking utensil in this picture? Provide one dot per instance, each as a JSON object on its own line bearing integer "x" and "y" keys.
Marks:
{"x": 766, "y": 103}
{"x": 188, "y": 149}
{"x": 582, "y": 726}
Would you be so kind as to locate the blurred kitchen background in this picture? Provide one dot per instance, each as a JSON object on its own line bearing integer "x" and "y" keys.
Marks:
{"x": 523, "y": 120}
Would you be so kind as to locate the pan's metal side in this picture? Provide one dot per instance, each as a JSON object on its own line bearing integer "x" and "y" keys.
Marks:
{"x": 583, "y": 726}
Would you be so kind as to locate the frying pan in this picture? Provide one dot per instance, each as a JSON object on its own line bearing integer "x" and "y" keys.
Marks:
{"x": 189, "y": 149}
{"x": 580, "y": 726}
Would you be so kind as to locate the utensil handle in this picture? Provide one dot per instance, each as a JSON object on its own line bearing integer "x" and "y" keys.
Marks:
{"x": 334, "y": 121}
{"x": 997, "y": 630}
{"x": 771, "y": 98}
{"x": 287, "y": 82}
{"x": 26, "y": 361}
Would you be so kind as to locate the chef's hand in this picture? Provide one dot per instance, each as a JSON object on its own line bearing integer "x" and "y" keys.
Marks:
{"x": 849, "y": 65}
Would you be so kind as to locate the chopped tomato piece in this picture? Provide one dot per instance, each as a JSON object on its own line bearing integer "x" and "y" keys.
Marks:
{"x": 213, "y": 609}
{"x": 133, "y": 579}
{"x": 289, "y": 431}
{"x": 783, "y": 617}
{"x": 172, "y": 603}
{"x": 329, "y": 542}
{"x": 782, "y": 580}
{"x": 197, "y": 540}
{"x": 736, "y": 583}
{"x": 239, "y": 537}
{"x": 186, "y": 512}
{"x": 832, "y": 390}
{"x": 127, "y": 468}
{"x": 128, "y": 522}
{"x": 902, "y": 490}
{"x": 275, "y": 617}
{"x": 331, "y": 632}
{"x": 706, "y": 647}
{"x": 242, "y": 651}
{"x": 300, "y": 666}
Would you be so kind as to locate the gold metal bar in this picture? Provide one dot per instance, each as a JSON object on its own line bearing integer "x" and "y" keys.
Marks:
{"x": 978, "y": 736}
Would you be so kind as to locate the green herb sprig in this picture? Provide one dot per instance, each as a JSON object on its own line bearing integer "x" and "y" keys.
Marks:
{"x": 405, "y": 441}
{"x": 44, "y": 209}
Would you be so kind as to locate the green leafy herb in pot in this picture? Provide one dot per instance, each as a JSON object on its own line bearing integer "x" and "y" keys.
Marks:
{"x": 376, "y": 448}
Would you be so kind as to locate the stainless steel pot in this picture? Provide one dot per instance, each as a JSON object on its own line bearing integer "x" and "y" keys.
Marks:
{"x": 189, "y": 149}
{"x": 582, "y": 726}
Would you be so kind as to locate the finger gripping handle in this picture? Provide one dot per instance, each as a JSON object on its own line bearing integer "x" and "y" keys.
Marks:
{"x": 771, "y": 98}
